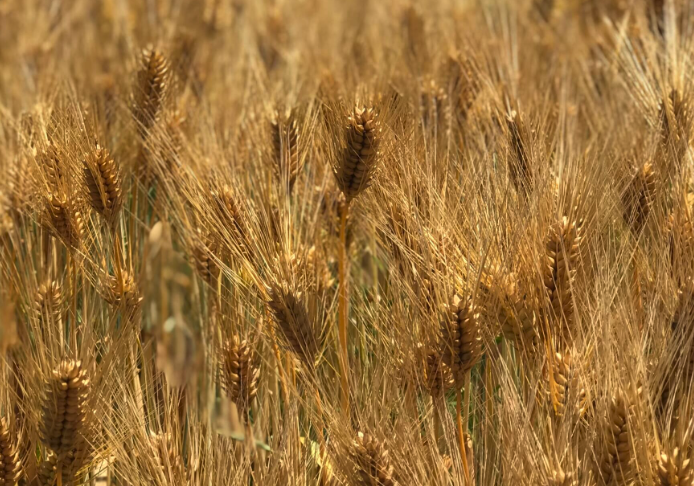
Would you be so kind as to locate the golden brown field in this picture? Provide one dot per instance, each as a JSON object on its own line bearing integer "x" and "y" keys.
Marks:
{"x": 341, "y": 242}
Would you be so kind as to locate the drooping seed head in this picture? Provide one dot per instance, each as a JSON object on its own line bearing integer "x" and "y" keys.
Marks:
{"x": 291, "y": 317}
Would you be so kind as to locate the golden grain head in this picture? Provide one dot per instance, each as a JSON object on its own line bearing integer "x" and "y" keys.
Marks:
{"x": 356, "y": 168}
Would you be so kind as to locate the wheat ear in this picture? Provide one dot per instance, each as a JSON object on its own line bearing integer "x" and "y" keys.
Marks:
{"x": 239, "y": 373}
{"x": 372, "y": 462}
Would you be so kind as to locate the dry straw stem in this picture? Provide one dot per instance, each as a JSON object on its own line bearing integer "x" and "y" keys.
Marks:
{"x": 10, "y": 463}
{"x": 372, "y": 462}
{"x": 239, "y": 373}
{"x": 639, "y": 197}
{"x": 562, "y": 253}
{"x": 152, "y": 87}
{"x": 103, "y": 183}
{"x": 291, "y": 317}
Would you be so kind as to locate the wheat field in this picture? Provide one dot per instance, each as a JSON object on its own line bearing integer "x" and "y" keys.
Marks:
{"x": 342, "y": 242}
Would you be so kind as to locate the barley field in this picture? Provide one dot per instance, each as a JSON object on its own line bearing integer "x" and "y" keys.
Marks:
{"x": 343, "y": 242}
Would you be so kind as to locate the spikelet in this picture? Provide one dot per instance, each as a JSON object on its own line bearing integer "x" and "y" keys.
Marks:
{"x": 102, "y": 179}
{"x": 461, "y": 341}
{"x": 171, "y": 151}
{"x": 372, "y": 463}
{"x": 64, "y": 418}
{"x": 356, "y": 169}
{"x": 48, "y": 470}
{"x": 124, "y": 293}
{"x": 286, "y": 145}
{"x": 561, "y": 375}
{"x": 11, "y": 464}
{"x": 291, "y": 317}
{"x": 560, "y": 478}
{"x": 520, "y": 167}
{"x": 204, "y": 249}
{"x": 676, "y": 124}
{"x": 230, "y": 209}
{"x": 415, "y": 34}
{"x": 639, "y": 197}
{"x": 169, "y": 463}
{"x": 617, "y": 457}
{"x": 239, "y": 373}
{"x": 437, "y": 374}
{"x": 151, "y": 90}
{"x": 680, "y": 229}
{"x": 675, "y": 469}
{"x": 561, "y": 255}
{"x": 63, "y": 218}
{"x": 52, "y": 168}
{"x": 64, "y": 413}
{"x": 464, "y": 85}
{"x": 48, "y": 304}
{"x": 434, "y": 106}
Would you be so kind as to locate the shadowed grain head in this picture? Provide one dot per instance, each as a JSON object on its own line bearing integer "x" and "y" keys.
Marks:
{"x": 639, "y": 197}
{"x": 291, "y": 317}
